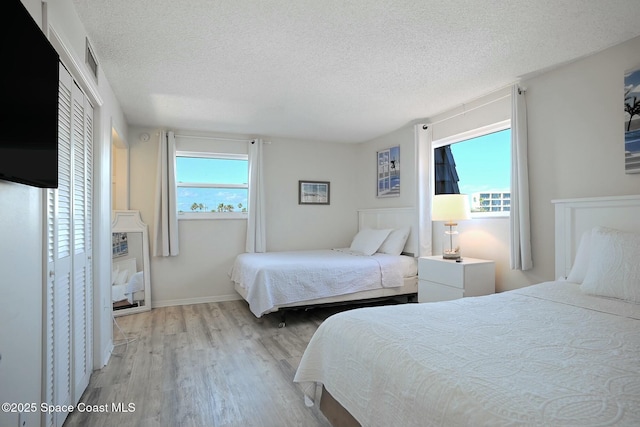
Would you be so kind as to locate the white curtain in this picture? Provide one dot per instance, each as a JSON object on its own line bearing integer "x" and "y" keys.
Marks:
{"x": 166, "y": 215}
{"x": 424, "y": 152}
{"x": 256, "y": 230}
{"x": 519, "y": 219}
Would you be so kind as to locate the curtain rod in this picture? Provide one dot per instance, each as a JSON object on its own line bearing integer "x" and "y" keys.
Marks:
{"x": 215, "y": 138}
{"x": 465, "y": 110}
{"x": 454, "y": 114}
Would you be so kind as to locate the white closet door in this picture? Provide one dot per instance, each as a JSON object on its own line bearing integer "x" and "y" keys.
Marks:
{"x": 81, "y": 277}
{"x": 68, "y": 293}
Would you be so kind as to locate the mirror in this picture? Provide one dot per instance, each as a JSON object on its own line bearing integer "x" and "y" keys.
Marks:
{"x": 130, "y": 272}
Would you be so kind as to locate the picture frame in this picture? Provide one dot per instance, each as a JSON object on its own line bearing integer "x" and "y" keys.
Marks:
{"x": 388, "y": 172}
{"x": 314, "y": 192}
{"x": 632, "y": 121}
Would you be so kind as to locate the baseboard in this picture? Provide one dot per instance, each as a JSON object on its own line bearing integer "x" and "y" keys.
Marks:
{"x": 107, "y": 355}
{"x": 200, "y": 300}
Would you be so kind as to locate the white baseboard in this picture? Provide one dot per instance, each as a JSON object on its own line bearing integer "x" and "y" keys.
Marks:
{"x": 107, "y": 355}
{"x": 199, "y": 300}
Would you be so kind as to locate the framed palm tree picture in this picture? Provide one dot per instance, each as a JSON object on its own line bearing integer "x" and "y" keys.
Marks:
{"x": 388, "y": 171}
{"x": 632, "y": 121}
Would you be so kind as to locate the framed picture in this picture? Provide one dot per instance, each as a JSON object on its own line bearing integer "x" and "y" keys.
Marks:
{"x": 388, "y": 181}
{"x": 632, "y": 121}
{"x": 313, "y": 192}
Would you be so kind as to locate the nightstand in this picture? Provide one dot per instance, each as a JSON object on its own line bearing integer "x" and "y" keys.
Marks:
{"x": 442, "y": 279}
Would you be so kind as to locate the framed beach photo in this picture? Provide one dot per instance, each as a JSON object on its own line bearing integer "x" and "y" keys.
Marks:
{"x": 313, "y": 192}
{"x": 388, "y": 181}
{"x": 632, "y": 121}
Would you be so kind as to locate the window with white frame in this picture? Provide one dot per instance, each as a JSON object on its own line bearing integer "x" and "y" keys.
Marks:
{"x": 476, "y": 163}
{"x": 212, "y": 185}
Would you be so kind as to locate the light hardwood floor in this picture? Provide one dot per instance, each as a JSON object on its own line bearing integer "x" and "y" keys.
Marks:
{"x": 208, "y": 365}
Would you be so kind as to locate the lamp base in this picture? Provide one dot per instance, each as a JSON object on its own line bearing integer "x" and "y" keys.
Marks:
{"x": 451, "y": 255}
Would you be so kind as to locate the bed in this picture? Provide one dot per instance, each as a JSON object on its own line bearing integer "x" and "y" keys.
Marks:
{"x": 564, "y": 352}
{"x": 127, "y": 287}
{"x": 380, "y": 263}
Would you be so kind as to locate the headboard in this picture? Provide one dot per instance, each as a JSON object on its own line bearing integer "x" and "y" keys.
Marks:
{"x": 128, "y": 264}
{"x": 575, "y": 216}
{"x": 392, "y": 218}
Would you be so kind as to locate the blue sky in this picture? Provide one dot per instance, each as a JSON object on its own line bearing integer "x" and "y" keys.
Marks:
{"x": 196, "y": 170}
{"x": 484, "y": 163}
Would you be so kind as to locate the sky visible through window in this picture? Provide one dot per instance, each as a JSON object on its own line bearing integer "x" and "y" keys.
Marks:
{"x": 484, "y": 163}
{"x": 207, "y": 170}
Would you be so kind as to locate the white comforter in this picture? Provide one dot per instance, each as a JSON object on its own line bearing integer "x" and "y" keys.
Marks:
{"x": 543, "y": 355}
{"x": 277, "y": 278}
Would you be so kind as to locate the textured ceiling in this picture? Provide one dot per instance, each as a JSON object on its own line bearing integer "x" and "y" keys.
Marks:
{"x": 332, "y": 70}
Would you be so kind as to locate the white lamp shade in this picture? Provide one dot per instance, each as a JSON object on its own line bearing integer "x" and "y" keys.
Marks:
{"x": 450, "y": 207}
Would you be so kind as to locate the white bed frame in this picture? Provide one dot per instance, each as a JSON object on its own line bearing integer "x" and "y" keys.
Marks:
{"x": 572, "y": 218}
{"x": 369, "y": 218}
{"x": 575, "y": 216}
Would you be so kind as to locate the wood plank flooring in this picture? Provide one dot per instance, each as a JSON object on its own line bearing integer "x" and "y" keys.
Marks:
{"x": 208, "y": 365}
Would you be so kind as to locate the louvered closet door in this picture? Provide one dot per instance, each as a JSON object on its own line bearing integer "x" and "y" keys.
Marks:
{"x": 68, "y": 293}
{"x": 81, "y": 244}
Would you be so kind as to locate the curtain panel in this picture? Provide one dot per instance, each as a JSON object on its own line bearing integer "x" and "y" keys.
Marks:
{"x": 256, "y": 229}
{"x": 423, "y": 138}
{"x": 520, "y": 223}
{"x": 166, "y": 215}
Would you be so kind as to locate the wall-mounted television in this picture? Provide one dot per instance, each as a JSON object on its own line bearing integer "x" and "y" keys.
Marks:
{"x": 29, "y": 98}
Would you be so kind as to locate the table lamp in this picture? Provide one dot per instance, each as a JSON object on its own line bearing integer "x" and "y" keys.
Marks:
{"x": 450, "y": 208}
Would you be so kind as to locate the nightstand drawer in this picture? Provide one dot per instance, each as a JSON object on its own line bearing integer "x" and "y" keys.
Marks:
{"x": 441, "y": 279}
{"x": 432, "y": 292}
{"x": 442, "y": 271}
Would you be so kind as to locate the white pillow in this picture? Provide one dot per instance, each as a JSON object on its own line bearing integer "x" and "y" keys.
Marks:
{"x": 394, "y": 243}
{"x": 114, "y": 275}
{"x": 121, "y": 278}
{"x": 581, "y": 262}
{"x": 369, "y": 240}
{"x": 136, "y": 282}
{"x": 614, "y": 267}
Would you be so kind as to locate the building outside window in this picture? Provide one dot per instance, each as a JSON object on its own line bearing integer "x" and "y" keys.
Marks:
{"x": 480, "y": 161}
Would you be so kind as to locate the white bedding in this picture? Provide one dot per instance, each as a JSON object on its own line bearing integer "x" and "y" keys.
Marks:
{"x": 543, "y": 355}
{"x": 278, "y": 278}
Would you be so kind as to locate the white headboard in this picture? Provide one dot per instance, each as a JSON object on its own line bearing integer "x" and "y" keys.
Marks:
{"x": 392, "y": 218}
{"x": 575, "y": 216}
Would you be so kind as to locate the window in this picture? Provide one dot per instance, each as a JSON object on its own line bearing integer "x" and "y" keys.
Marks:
{"x": 212, "y": 185}
{"x": 477, "y": 163}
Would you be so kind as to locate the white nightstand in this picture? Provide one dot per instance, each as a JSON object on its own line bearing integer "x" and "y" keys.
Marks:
{"x": 442, "y": 279}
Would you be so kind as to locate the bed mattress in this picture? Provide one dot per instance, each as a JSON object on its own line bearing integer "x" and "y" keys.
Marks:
{"x": 543, "y": 355}
{"x": 273, "y": 279}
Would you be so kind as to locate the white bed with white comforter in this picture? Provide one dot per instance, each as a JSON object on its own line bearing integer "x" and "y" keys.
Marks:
{"x": 276, "y": 279}
{"x": 380, "y": 263}
{"x": 543, "y": 355}
{"x": 560, "y": 353}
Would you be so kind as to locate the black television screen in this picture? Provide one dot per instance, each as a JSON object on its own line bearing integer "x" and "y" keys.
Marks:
{"x": 29, "y": 94}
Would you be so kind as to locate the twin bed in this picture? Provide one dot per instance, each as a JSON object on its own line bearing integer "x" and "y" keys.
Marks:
{"x": 127, "y": 284}
{"x": 380, "y": 263}
{"x": 565, "y": 352}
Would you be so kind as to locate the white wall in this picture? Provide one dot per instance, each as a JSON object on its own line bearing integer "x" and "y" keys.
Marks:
{"x": 208, "y": 247}
{"x": 367, "y": 170}
{"x": 21, "y": 245}
{"x": 575, "y": 150}
{"x": 575, "y": 124}
{"x": 576, "y": 139}
{"x": 21, "y": 288}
